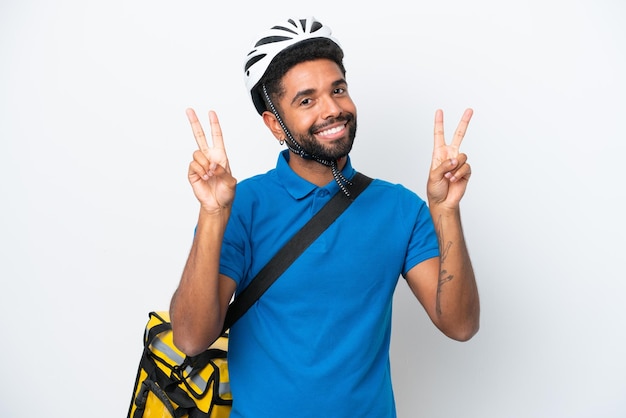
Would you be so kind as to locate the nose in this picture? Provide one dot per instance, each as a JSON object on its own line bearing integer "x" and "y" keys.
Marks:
{"x": 331, "y": 108}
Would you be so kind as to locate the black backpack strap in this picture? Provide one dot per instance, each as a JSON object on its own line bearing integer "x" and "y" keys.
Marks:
{"x": 293, "y": 248}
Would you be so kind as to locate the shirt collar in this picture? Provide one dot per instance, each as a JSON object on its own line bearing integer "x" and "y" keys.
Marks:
{"x": 298, "y": 187}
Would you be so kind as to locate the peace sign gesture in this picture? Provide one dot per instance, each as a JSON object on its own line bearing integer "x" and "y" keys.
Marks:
{"x": 209, "y": 172}
{"x": 449, "y": 171}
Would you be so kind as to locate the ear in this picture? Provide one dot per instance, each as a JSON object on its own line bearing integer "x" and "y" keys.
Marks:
{"x": 272, "y": 123}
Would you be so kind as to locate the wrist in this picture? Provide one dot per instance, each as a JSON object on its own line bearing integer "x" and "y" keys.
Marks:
{"x": 214, "y": 216}
{"x": 441, "y": 209}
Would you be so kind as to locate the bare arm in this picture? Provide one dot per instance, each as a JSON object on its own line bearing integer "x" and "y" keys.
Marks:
{"x": 446, "y": 285}
{"x": 198, "y": 306}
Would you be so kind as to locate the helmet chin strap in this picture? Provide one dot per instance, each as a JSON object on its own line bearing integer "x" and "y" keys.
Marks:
{"x": 298, "y": 150}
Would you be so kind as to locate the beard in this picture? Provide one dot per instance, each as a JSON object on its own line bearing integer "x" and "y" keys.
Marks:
{"x": 333, "y": 150}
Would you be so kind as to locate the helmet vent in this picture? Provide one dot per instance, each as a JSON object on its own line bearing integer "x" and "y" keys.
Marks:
{"x": 253, "y": 60}
{"x": 285, "y": 29}
{"x": 315, "y": 26}
{"x": 272, "y": 39}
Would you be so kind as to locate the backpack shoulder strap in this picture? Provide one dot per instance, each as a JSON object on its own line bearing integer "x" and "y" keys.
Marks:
{"x": 293, "y": 248}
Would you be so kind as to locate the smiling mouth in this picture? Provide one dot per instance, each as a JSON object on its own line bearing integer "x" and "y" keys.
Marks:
{"x": 332, "y": 131}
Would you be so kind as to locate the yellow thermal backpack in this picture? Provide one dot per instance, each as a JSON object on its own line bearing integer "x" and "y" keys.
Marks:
{"x": 170, "y": 384}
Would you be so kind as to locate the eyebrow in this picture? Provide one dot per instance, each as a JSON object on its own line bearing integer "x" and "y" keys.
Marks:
{"x": 308, "y": 92}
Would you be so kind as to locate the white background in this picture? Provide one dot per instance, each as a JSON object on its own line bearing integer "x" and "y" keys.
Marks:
{"x": 97, "y": 215}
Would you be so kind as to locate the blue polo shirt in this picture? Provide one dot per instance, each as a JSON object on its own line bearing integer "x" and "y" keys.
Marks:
{"x": 317, "y": 342}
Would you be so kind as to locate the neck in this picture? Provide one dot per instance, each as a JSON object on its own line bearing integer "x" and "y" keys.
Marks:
{"x": 312, "y": 171}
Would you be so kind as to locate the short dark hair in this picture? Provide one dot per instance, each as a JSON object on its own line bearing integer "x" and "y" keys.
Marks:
{"x": 308, "y": 50}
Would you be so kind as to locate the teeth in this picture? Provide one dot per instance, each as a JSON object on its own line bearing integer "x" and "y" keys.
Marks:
{"x": 331, "y": 131}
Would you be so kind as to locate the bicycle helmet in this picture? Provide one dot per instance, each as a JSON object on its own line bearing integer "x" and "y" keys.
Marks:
{"x": 274, "y": 41}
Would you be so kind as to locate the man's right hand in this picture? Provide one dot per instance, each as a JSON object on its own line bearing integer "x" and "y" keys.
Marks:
{"x": 209, "y": 172}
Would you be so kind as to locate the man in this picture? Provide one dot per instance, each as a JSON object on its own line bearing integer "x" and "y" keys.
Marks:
{"x": 317, "y": 342}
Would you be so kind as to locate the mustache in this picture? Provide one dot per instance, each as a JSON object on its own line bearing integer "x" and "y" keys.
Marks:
{"x": 347, "y": 118}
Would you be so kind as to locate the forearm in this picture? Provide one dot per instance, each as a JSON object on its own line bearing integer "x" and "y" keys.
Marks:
{"x": 457, "y": 306}
{"x": 196, "y": 309}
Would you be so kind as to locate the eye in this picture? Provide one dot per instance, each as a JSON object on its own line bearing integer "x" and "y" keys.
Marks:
{"x": 305, "y": 102}
{"x": 339, "y": 91}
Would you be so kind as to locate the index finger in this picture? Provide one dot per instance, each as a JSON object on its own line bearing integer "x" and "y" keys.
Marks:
{"x": 462, "y": 128}
{"x": 439, "y": 139}
{"x": 198, "y": 132}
